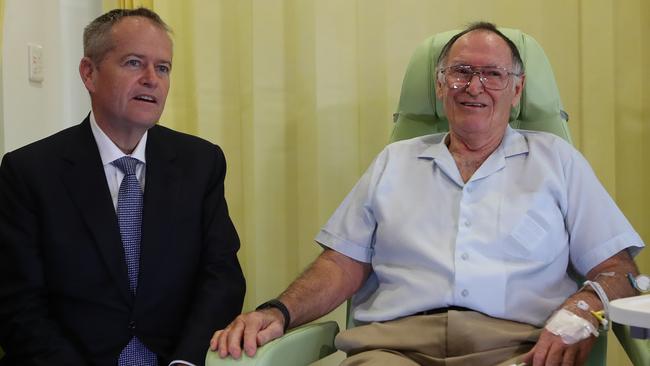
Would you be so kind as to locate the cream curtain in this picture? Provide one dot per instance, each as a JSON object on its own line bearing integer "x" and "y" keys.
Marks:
{"x": 2, "y": 17}
{"x": 127, "y": 4}
{"x": 2, "y": 127}
{"x": 299, "y": 93}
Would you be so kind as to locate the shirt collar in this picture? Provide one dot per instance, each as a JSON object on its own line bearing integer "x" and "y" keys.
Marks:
{"x": 513, "y": 143}
{"x": 108, "y": 151}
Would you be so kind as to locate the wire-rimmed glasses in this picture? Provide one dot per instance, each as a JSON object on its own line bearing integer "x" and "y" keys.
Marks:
{"x": 491, "y": 77}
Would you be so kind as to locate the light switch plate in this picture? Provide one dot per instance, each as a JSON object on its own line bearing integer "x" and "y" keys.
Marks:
{"x": 35, "y": 54}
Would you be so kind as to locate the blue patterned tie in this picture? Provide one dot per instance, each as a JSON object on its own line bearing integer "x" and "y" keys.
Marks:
{"x": 129, "y": 217}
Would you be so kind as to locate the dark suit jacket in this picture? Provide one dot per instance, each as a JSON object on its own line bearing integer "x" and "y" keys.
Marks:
{"x": 64, "y": 297}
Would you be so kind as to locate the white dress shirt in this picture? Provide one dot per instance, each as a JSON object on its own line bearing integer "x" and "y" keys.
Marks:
{"x": 500, "y": 244}
{"x": 109, "y": 152}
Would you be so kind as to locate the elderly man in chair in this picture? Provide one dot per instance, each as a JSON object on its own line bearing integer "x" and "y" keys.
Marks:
{"x": 462, "y": 248}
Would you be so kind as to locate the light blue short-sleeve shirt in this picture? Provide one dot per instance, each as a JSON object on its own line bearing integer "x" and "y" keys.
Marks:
{"x": 503, "y": 243}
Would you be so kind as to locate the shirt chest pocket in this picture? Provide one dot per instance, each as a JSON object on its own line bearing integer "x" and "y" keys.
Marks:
{"x": 536, "y": 236}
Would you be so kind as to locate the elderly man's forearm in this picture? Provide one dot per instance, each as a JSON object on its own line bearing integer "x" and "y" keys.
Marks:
{"x": 330, "y": 280}
{"x": 611, "y": 275}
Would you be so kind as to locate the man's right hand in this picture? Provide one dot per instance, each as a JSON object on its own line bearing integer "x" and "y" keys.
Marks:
{"x": 253, "y": 330}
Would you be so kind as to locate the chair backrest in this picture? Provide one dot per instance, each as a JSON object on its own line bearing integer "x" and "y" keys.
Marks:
{"x": 419, "y": 112}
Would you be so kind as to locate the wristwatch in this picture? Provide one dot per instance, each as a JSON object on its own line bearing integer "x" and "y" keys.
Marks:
{"x": 641, "y": 282}
{"x": 275, "y": 303}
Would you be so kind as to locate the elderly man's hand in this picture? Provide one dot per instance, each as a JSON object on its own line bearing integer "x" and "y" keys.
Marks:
{"x": 255, "y": 329}
{"x": 551, "y": 350}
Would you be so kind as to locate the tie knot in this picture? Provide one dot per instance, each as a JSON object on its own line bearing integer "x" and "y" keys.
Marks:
{"x": 126, "y": 164}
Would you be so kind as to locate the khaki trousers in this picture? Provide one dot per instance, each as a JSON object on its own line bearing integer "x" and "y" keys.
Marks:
{"x": 455, "y": 338}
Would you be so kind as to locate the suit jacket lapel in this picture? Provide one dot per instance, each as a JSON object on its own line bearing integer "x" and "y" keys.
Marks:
{"x": 86, "y": 183}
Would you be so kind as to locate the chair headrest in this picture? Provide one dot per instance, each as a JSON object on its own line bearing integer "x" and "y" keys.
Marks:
{"x": 420, "y": 112}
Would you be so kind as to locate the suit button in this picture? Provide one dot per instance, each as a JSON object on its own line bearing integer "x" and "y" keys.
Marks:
{"x": 131, "y": 325}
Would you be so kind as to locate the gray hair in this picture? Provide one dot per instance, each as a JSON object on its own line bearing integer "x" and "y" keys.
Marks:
{"x": 97, "y": 38}
{"x": 517, "y": 63}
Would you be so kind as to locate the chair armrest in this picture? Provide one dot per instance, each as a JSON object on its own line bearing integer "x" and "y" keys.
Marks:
{"x": 299, "y": 347}
{"x": 638, "y": 350}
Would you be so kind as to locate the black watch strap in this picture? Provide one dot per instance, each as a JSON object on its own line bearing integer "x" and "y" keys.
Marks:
{"x": 275, "y": 303}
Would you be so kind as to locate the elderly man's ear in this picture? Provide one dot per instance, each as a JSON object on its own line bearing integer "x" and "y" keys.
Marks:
{"x": 519, "y": 88}
{"x": 438, "y": 87}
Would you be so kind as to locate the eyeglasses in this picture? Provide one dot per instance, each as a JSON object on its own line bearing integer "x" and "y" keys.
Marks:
{"x": 491, "y": 77}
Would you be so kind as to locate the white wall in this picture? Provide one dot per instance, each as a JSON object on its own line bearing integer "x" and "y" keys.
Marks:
{"x": 31, "y": 111}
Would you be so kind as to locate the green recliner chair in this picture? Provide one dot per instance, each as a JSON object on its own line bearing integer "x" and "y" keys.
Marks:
{"x": 419, "y": 113}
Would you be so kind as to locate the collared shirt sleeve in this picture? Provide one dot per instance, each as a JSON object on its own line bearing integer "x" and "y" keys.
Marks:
{"x": 351, "y": 229}
{"x": 597, "y": 227}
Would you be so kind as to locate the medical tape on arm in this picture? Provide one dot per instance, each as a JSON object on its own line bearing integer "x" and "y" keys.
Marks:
{"x": 570, "y": 327}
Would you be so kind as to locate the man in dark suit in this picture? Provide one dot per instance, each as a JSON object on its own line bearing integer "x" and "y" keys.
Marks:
{"x": 92, "y": 270}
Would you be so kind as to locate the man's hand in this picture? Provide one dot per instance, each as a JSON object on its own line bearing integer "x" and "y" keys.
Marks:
{"x": 255, "y": 329}
{"x": 550, "y": 350}
{"x": 330, "y": 280}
